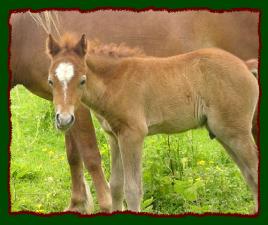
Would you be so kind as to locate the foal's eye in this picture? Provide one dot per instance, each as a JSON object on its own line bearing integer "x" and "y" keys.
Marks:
{"x": 83, "y": 80}
{"x": 50, "y": 82}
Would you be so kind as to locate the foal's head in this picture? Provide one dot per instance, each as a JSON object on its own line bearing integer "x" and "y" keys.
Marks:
{"x": 67, "y": 77}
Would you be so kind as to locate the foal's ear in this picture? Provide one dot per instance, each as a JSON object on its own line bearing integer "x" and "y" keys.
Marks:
{"x": 81, "y": 47}
{"x": 53, "y": 47}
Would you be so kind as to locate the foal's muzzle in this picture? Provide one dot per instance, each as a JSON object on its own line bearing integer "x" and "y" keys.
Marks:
{"x": 64, "y": 121}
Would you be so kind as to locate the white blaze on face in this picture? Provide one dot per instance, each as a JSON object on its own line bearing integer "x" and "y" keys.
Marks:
{"x": 64, "y": 72}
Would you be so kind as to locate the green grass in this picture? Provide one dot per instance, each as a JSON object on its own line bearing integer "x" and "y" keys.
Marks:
{"x": 185, "y": 172}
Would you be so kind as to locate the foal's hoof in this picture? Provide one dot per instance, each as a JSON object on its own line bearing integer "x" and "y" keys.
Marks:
{"x": 106, "y": 203}
{"x": 106, "y": 208}
{"x": 84, "y": 207}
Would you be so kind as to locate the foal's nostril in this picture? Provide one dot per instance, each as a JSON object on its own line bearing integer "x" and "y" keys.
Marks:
{"x": 72, "y": 119}
{"x": 58, "y": 118}
{"x": 64, "y": 120}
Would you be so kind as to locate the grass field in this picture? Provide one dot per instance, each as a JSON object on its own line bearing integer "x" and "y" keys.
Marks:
{"x": 186, "y": 172}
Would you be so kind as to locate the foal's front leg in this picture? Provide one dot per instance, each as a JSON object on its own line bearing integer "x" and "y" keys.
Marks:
{"x": 117, "y": 176}
{"x": 130, "y": 143}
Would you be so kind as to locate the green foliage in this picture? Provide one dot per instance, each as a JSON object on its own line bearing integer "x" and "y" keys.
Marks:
{"x": 185, "y": 172}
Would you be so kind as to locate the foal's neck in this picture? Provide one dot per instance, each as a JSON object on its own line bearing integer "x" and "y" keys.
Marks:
{"x": 101, "y": 72}
{"x": 102, "y": 65}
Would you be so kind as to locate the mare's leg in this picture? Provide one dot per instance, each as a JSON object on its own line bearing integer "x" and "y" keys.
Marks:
{"x": 81, "y": 147}
{"x": 117, "y": 176}
{"x": 130, "y": 144}
{"x": 81, "y": 200}
{"x": 236, "y": 137}
{"x": 85, "y": 139}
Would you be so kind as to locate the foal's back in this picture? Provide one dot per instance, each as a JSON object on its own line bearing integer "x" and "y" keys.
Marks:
{"x": 177, "y": 93}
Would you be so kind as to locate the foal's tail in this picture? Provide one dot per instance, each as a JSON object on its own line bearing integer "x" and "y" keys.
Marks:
{"x": 49, "y": 21}
{"x": 252, "y": 65}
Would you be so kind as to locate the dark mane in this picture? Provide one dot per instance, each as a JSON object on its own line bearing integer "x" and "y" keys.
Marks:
{"x": 68, "y": 41}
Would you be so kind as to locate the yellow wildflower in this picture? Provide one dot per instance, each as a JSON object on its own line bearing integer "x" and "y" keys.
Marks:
{"x": 201, "y": 163}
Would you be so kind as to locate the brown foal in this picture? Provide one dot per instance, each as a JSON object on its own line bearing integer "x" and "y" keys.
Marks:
{"x": 136, "y": 96}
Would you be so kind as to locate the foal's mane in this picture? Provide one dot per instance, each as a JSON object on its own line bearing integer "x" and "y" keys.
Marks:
{"x": 113, "y": 50}
{"x": 68, "y": 41}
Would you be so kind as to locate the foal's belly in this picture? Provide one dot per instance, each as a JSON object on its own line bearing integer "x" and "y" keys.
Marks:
{"x": 172, "y": 126}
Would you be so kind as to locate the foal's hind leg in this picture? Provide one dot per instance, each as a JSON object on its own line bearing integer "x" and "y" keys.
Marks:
{"x": 247, "y": 165}
{"x": 85, "y": 139}
{"x": 237, "y": 139}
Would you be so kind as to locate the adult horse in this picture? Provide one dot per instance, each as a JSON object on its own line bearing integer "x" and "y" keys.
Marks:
{"x": 135, "y": 96}
{"x": 158, "y": 33}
